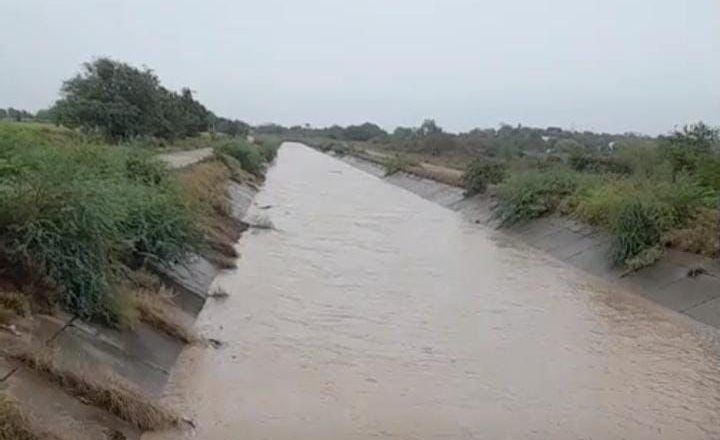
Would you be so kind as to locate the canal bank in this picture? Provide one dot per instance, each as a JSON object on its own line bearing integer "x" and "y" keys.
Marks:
{"x": 369, "y": 312}
{"x": 77, "y": 379}
{"x": 683, "y": 282}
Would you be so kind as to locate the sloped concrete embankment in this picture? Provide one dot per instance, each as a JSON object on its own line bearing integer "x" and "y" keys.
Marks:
{"x": 686, "y": 283}
{"x": 142, "y": 357}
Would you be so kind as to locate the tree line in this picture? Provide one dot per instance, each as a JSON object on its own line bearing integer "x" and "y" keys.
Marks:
{"x": 15, "y": 114}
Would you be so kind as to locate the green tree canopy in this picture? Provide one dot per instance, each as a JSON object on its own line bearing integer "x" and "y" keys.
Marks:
{"x": 120, "y": 101}
{"x": 684, "y": 148}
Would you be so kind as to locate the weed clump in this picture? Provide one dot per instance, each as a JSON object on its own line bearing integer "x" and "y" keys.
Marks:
{"x": 249, "y": 156}
{"x": 480, "y": 173}
{"x": 74, "y": 217}
{"x": 533, "y": 194}
{"x": 396, "y": 164}
{"x": 205, "y": 187}
{"x": 268, "y": 150}
{"x": 13, "y": 423}
{"x": 157, "y": 309}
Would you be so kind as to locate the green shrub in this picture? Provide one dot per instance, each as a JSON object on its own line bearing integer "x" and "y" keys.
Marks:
{"x": 684, "y": 197}
{"x": 680, "y": 200}
{"x": 530, "y": 195}
{"x": 74, "y": 216}
{"x": 708, "y": 172}
{"x": 596, "y": 203}
{"x": 598, "y": 164}
{"x": 644, "y": 258}
{"x": 248, "y": 155}
{"x": 339, "y": 148}
{"x": 479, "y": 174}
{"x": 636, "y": 227}
{"x": 395, "y": 164}
{"x": 268, "y": 150}
{"x": 146, "y": 170}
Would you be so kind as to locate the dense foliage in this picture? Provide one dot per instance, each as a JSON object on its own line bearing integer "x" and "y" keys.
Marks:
{"x": 644, "y": 197}
{"x": 120, "y": 102}
{"x": 481, "y": 173}
{"x": 73, "y": 215}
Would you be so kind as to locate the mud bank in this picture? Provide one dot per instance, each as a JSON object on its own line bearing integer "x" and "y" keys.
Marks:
{"x": 142, "y": 358}
{"x": 673, "y": 282}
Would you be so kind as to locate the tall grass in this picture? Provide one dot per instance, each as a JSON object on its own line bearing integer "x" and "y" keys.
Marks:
{"x": 74, "y": 216}
{"x": 250, "y": 157}
{"x": 640, "y": 212}
{"x": 529, "y": 195}
{"x": 13, "y": 423}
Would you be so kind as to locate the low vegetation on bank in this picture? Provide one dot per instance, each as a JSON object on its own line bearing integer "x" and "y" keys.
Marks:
{"x": 84, "y": 203}
{"x": 648, "y": 193}
{"x": 87, "y": 212}
{"x": 76, "y": 215}
{"x": 674, "y": 204}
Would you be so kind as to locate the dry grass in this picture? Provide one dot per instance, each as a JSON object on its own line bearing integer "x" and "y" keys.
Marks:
{"x": 700, "y": 236}
{"x": 16, "y": 302}
{"x": 13, "y": 423}
{"x": 158, "y": 310}
{"x": 6, "y": 316}
{"x": 104, "y": 391}
{"x": 143, "y": 279}
{"x": 206, "y": 186}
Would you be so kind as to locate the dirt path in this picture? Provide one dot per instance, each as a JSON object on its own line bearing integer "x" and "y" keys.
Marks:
{"x": 181, "y": 159}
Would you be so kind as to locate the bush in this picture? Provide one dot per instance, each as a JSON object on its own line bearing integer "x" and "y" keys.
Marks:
{"x": 268, "y": 150}
{"x": 680, "y": 199}
{"x": 479, "y": 174}
{"x": 636, "y": 227}
{"x": 701, "y": 234}
{"x": 598, "y": 164}
{"x": 146, "y": 170}
{"x": 248, "y": 155}
{"x": 395, "y": 164}
{"x": 73, "y": 217}
{"x": 595, "y": 204}
{"x": 708, "y": 172}
{"x": 530, "y": 195}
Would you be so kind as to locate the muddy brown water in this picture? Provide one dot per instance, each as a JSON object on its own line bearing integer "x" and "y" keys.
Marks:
{"x": 371, "y": 313}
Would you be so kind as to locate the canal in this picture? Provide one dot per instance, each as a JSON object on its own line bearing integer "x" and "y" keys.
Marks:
{"x": 368, "y": 312}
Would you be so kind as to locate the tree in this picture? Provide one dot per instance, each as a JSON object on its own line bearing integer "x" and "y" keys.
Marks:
{"x": 363, "y": 132}
{"x": 684, "y": 148}
{"x": 3, "y": 113}
{"x": 14, "y": 114}
{"x": 231, "y": 127}
{"x": 46, "y": 115}
{"x": 120, "y": 101}
{"x": 113, "y": 98}
{"x": 429, "y": 128}
{"x": 403, "y": 134}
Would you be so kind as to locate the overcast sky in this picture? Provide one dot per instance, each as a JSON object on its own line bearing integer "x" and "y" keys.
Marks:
{"x": 611, "y": 65}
